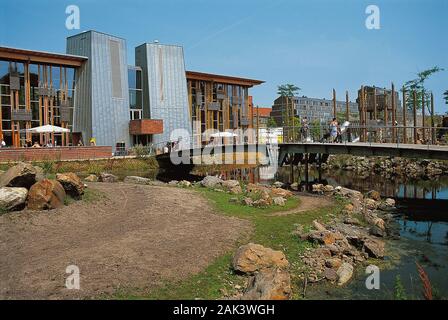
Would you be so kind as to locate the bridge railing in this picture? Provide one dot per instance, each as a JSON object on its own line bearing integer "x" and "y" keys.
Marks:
{"x": 367, "y": 134}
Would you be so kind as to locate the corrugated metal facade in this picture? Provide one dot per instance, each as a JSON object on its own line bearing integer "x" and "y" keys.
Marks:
{"x": 102, "y": 94}
{"x": 165, "y": 87}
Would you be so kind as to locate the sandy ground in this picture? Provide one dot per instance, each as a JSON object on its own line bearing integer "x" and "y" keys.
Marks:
{"x": 136, "y": 237}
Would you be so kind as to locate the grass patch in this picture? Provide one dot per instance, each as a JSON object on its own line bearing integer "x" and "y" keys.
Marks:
{"x": 92, "y": 195}
{"x": 276, "y": 232}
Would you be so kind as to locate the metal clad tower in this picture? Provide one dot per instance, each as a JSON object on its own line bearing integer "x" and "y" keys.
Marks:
{"x": 165, "y": 87}
{"x": 102, "y": 96}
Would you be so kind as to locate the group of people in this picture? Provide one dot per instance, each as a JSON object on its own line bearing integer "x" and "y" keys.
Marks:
{"x": 334, "y": 134}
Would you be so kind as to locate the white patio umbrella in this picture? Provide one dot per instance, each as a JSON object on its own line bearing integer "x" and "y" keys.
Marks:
{"x": 223, "y": 135}
{"x": 48, "y": 129}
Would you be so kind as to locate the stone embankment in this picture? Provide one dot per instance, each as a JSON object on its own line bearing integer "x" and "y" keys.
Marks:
{"x": 388, "y": 167}
{"x": 349, "y": 239}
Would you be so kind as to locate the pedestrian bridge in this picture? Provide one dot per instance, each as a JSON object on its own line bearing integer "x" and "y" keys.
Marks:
{"x": 284, "y": 150}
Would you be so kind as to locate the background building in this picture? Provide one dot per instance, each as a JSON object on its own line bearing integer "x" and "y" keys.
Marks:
{"x": 313, "y": 108}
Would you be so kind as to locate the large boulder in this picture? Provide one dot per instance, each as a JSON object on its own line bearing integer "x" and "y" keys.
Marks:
{"x": 230, "y": 184}
{"x": 211, "y": 182}
{"x": 72, "y": 184}
{"x": 22, "y": 175}
{"x": 271, "y": 284}
{"x": 12, "y": 198}
{"x": 345, "y": 273}
{"x": 46, "y": 195}
{"x": 107, "y": 177}
{"x": 279, "y": 192}
{"x": 374, "y": 247}
{"x": 254, "y": 257}
{"x": 136, "y": 180}
{"x": 279, "y": 201}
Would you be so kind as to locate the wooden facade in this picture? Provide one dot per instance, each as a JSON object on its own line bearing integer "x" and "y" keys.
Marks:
{"x": 36, "y": 88}
{"x": 218, "y": 103}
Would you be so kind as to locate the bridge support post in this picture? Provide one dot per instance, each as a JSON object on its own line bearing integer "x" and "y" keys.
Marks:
{"x": 306, "y": 172}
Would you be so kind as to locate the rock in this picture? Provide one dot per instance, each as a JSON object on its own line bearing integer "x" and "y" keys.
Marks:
{"x": 261, "y": 203}
{"x": 370, "y": 204}
{"x": 277, "y": 184}
{"x": 352, "y": 221}
{"x": 273, "y": 284}
{"x": 137, "y": 180}
{"x": 91, "y": 178}
{"x": 328, "y": 189}
{"x": 322, "y": 237}
{"x": 344, "y": 273}
{"x": 107, "y": 177}
{"x": 279, "y": 192}
{"x": 248, "y": 201}
{"x": 279, "y": 201}
{"x": 236, "y": 190}
{"x": 71, "y": 183}
{"x": 295, "y": 186}
{"x": 12, "y": 198}
{"x": 184, "y": 184}
{"x": 349, "y": 208}
{"x": 390, "y": 202}
{"x": 254, "y": 257}
{"x": 22, "y": 175}
{"x": 377, "y": 232}
{"x": 374, "y": 195}
{"x": 45, "y": 195}
{"x": 374, "y": 247}
{"x": 348, "y": 193}
{"x": 318, "y": 226}
{"x": 230, "y": 184}
{"x": 173, "y": 183}
{"x": 317, "y": 188}
{"x": 211, "y": 182}
{"x": 330, "y": 274}
{"x": 333, "y": 263}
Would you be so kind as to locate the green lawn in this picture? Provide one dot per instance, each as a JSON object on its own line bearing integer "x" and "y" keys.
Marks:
{"x": 271, "y": 231}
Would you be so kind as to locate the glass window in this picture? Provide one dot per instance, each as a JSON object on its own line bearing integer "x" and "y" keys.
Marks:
{"x": 132, "y": 78}
{"x": 4, "y": 72}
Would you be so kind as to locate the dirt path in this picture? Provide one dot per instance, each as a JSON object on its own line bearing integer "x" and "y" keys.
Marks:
{"x": 136, "y": 237}
{"x": 307, "y": 203}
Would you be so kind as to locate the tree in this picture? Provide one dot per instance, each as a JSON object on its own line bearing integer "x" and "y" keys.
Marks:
{"x": 418, "y": 85}
{"x": 288, "y": 90}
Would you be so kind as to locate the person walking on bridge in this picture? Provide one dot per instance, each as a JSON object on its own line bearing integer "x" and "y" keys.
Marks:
{"x": 334, "y": 127}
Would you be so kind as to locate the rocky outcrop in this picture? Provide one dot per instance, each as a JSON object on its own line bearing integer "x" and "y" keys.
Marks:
{"x": 22, "y": 175}
{"x": 254, "y": 257}
{"x": 45, "y": 195}
{"x": 71, "y": 183}
{"x": 12, "y": 198}
{"x": 269, "y": 284}
{"x": 136, "y": 180}
{"x": 107, "y": 177}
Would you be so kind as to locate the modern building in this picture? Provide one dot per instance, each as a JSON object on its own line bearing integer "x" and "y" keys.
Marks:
{"x": 92, "y": 91}
{"x": 313, "y": 108}
{"x": 37, "y": 88}
{"x": 219, "y": 103}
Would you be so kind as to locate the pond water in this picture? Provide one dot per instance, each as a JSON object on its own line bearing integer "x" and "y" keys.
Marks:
{"x": 423, "y": 219}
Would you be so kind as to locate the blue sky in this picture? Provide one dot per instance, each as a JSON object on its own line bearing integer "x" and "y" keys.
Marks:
{"x": 315, "y": 44}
